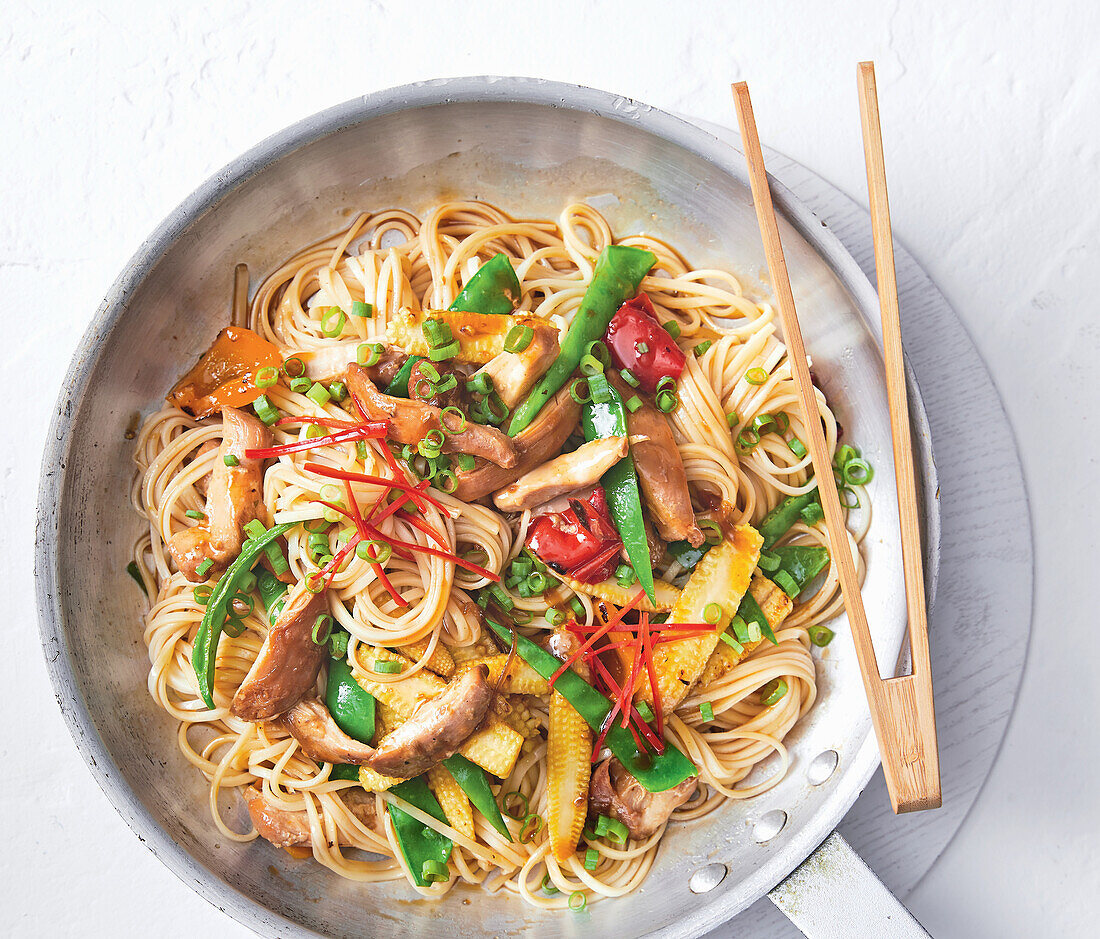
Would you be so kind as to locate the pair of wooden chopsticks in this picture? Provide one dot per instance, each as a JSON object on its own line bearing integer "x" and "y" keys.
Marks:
{"x": 901, "y": 708}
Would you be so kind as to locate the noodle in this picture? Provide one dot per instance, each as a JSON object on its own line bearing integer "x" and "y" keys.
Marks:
{"x": 392, "y": 260}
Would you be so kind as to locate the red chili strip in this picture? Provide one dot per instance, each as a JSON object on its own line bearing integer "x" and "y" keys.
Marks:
{"x": 435, "y": 552}
{"x": 361, "y": 535}
{"x": 363, "y": 432}
{"x": 628, "y": 690}
{"x": 613, "y": 689}
{"x": 322, "y": 421}
{"x": 416, "y": 493}
{"x": 651, "y": 671}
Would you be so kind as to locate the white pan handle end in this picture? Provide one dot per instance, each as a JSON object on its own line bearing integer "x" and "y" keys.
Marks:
{"x": 833, "y": 894}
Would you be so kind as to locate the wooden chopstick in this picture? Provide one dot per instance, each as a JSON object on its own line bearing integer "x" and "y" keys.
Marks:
{"x": 901, "y": 708}
{"x": 239, "y": 316}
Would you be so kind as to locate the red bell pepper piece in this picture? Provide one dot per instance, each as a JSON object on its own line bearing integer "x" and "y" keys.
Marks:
{"x": 636, "y": 322}
{"x": 581, "y": 541}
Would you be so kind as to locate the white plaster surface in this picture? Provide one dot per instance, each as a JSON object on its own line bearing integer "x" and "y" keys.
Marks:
{"x": 116, "y": 111}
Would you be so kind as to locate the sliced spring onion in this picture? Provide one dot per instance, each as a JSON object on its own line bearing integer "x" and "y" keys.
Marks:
{"x": 787, "y": 582}
{"x": 773, "y": 692}
{"x": 435, "y": 871}
{"x": 747, "y": 439}
{"x": 195, "y": 514}
{"x": 797, "y": 447}
{"x": 205, "y": 566}
{"x": 579, "y": 392}
{"x": 820, "y": 635}
{"x": 267, "y": 376}
{"x": 386, "y": 667}
{"x": 359, "y": 308}
{"x": 633, "y": 403}
{"x": 442, "y": 353}
{"x": 230, "y": 460}
{"x": 703, "y": 346}
{"x": 556, "y": 617}
{"x": 518, "y": 797}
{"x": 591, "y": 861}
{"x": 577, "y": 901}
{"x": 672, "y": 328}
{"x": 732, "y": 419}
{"x": 332, "y": 322}
{"x": 711, "y": 529}
{"x": 458, "y": 424}
{"x": 590, "y": 366}
{"x": 202, "y": 594}
{"x": 436, "y": 333}
{"x": 264, "y": 410}
{"x": 445, "y": 481}
{"x": 782, "y": 422}
{"x": 706, "y": 711}
{"x": 368, "y": 353}
{"x": 641, "y": 347}
{"x": 294, "y": 367}
{"x": 301, "y": 384}
{"x": 667, "y": 402}
{"x": 712, "y": 613}
{"x": 338, "y": 390}
{"x": 756, "y": 376}
{"x": 547, "y": 887}
{"x": 768, "y": 561}
{"x": 322, "y": 629}
{"x": 519, "y": 338}
{"x": 628, "y": 377}
{"x": 732, "y": 643}
{"x": 857, "y": 472}
{"x": 480, "y": 383}
{"x": 319, "y": 394}
{"x": 464, "y": 461}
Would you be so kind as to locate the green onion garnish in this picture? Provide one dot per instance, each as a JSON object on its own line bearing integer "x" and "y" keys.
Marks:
{"x": 301, "y": 384}
{"x": 577, "y": 606}
{"x": 206, "y": 564}
{"x": 712, "y": 613}
{"x": 319, "y": 394}
{"x": 628, "y": 377}
{"x": 338, "y": 390}
{"x": 386, "y": 667}
{"x": 524, "y": 805}
{"x": 633, "y": 403}
{"x": 590, "y": 366}
{"x": 230, "y": 460}
{"x": 641, "y": 347}
{"x": 577, "y": 901}
{"x": 732, "y": 643}
{"x": 332, "y": 322}
{"x": 703, "y": 346}
{"x": 768, "y": 561}
{"x": 480, "y": 383}
{"x": 368, "y": 353}
{"x": 820, "y": 635}
{"x": 706, "y": 711}
{"x": 442, "y": 353}
{"x": 733, "y": 420}
{"x": 294, "y": 367}
{"x": 359, "y": 308}
{"x": 338, "y": 644}
{"x": 857, "y": 472}
{"x": 458, "y": 424}
{"x": 434, "y": 871}
{"x": 464, "y": 462}
{"x": 547, "y": 887}
{"x": 672, "y": 328}
{"x": 591, "y": 861}
{"x": 195, "y": 514}
{"x": 796, "y": 447}
{"x": 773, "y": 692}
{"x": 747, "y": 439}
{"x": 756, "y": 376}
{"x": 322, "y": 628}
{"x": 267, "y": 376}
{"x": 519, "y": 338}
{"x": 782, "y": 422}
{"x": 202, "y": 594}
{"x": 667, "y": 402}
{"x": 578, "y": 391}
{"x": 554, "y": 616}
{"x": 264, "y": 410}
{"x": 787, "y": 582}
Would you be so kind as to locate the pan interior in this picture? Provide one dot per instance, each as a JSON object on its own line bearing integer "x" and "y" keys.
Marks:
{"x": 530, "y": 157}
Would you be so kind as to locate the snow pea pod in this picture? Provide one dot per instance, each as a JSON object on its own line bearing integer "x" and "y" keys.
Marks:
{"x": 607, "y": 418}
{"x": 272, "y": 592}
{"x": 418, "y": 842}
{"x": 475, "y": 784}
{"x": 802, "y": 562}
{"x": 655, "y": 771}
{"x": 399, "y": 387}
{"x": 205, "y": 651}
{"x": 350, "y": 706}
{"x": 618, "y": 273}
{"x": 783, "y": 516}
{"x": 494, "y": 289}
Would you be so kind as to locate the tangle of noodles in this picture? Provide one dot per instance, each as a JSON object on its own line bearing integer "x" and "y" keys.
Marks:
{"x": 393, "y": 260}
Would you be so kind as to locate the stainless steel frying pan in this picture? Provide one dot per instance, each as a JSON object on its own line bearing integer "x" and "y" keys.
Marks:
{"x": 530, "y": 146}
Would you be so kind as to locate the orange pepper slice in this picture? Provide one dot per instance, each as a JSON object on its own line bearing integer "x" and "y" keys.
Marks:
{"x": 225, "y": 376}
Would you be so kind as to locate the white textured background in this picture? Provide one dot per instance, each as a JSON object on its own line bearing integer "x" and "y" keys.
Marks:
{"x": 116, "y": 111}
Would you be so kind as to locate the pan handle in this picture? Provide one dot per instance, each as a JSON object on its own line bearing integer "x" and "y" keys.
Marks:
{"x": 833, "y": 894}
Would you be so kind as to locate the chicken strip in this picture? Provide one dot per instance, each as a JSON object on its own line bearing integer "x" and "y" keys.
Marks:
{"x": 234, "y": 497}
{"x": 566, "y": 473}
{"x": 410, "y": 420}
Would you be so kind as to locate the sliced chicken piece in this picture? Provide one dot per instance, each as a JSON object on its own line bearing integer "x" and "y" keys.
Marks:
{"x": 515, "y": 373}
{"x": 288, "y": 663}
{"x": 437, "y": 729}
{"x": 319, "y": 736}
{"x": 539, "y": 442}
{"x": 202, "y": 484}
{"x": 411, "y": 420}
{"x": 329, "y": 362}
{"x": 563, "y": 645}
{"x": 660, "y": 470}
{"x": 615, "y": 792}
{"x": 234, "y": 497}
{"x": 583, "y": 467}
{"x": 288, "y": 829}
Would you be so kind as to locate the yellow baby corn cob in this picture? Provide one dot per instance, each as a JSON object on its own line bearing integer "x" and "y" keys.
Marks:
{"x": 568, "y": 753}
{"x": 776, "y": 606}
{"x": 453, "y": 801}
{"x": 440, "y": 662}
{"x": 665, "y": 594}
{"x": 721, "y": 577}
{"x": 375, "y": 782}
{"x": 520, "y": 678}
{"x": 480, "y": 336}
